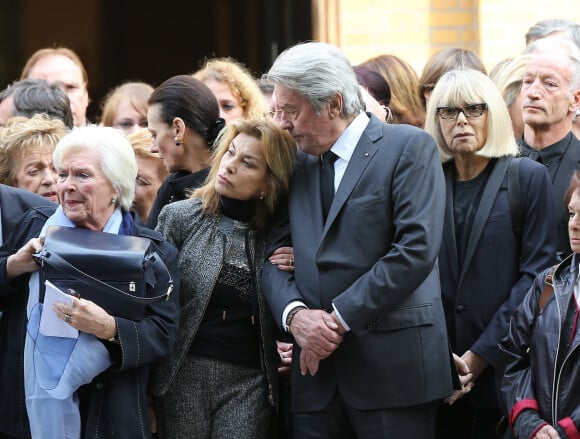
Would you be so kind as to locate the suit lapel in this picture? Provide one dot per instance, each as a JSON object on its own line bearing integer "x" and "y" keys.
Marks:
{"x": 449, "y": 223}
{"x": 485, "y": 205}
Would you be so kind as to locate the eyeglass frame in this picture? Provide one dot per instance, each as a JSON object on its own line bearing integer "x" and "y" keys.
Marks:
{"x": 483, "y": 108}
{"x": 292, "y": 114}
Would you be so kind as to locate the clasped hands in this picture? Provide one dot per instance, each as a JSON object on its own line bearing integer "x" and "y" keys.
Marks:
{"x": 469, "y": 366}
{"x": 318, "y": 333}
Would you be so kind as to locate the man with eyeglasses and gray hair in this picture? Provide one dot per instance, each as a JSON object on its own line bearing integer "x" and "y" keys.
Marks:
{"x": 365, "y": 219}
{"x": 551, "y": 97}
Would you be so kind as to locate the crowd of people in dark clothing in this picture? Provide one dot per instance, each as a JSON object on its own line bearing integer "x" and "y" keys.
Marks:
{"x": 353, "y": 251}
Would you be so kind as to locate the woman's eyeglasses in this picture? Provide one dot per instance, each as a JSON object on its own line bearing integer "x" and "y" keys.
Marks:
{"x": 472, "y": 110}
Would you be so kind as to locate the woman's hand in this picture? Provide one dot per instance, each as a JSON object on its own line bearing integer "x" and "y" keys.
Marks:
{"x": 22, "y": 261}
{"x": 87, "y": 316}
{"x": 546, "y": 432}
{"x": 465, "y": 378}
{"x": 283, "y": 257}
{"x": 285, "y": 352}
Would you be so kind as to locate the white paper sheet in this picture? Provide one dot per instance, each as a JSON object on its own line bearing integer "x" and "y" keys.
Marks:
{"x": 50, "y": 323}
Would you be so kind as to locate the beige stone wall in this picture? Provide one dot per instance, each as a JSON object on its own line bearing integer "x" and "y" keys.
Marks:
{"x": 414, "y": 29}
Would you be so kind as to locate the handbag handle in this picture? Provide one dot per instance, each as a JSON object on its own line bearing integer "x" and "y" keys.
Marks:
{"x": 61, "y": 264}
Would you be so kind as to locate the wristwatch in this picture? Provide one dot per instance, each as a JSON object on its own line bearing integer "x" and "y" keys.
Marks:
{"x": 291, "y": 315}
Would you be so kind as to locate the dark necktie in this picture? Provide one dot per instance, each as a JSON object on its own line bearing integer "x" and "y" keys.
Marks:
{"x": 327, "y": 180}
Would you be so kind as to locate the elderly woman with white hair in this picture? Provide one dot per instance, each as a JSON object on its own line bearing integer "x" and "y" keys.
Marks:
{"x": 106, "y": 395}
{"x": 490, "y": 253}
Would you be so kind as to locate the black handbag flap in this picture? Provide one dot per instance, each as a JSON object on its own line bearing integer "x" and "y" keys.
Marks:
{"x": 105, "y": 268}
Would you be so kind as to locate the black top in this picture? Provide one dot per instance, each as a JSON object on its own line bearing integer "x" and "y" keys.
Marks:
{"x": 466, "y": 198}
{"x": 551, "y": 156}
{"x": 229, "y": 329}
{"x": 177, "y": 186}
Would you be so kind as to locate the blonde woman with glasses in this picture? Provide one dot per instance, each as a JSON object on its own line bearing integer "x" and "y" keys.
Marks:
{"x": 489, "y": 256}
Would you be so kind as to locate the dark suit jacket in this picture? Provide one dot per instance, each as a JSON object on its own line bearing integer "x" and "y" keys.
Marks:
{"x": 14, "y": 203}
{"x": 560, "y": 182}
{"x": 375, "y": 259}
{"x": 481, "y": 294}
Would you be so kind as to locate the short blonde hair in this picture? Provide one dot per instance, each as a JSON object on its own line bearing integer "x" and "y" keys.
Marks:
{"x": 240, "y": 81}
{"x": 22, "y": 136}
{"x": 461, "y": 87}
{"x": 279, "y": 151}
{"x": 137, "y": 93}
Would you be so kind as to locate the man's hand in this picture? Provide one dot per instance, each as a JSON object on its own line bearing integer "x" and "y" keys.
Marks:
{"x": 317, "y": 333}
{"x": 22, "y": 261}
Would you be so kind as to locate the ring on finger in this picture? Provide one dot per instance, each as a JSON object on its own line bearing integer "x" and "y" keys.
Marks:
{"x": 67, "y": 318}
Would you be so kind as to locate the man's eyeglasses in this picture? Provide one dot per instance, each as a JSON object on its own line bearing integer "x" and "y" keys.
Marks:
{"x": 472, "y": 110}
{"x": 282, "y": 114}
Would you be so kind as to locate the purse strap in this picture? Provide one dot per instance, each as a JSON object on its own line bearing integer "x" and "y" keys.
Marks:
{"x": 61, "y": 264}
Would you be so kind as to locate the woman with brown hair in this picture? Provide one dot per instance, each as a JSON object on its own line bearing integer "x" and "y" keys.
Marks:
{"x": 221, "y": 380}
{"x": 442, "y": 62}
{"x": 405, "y": 104}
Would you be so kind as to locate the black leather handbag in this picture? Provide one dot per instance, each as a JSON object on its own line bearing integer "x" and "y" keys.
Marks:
{"x": 111, "y": 270}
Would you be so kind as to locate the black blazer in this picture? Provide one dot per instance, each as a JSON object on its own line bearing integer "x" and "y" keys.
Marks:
{"x": 375, "y": 259}
{"x": 14, "y": 203}
{"x": 497, "y": 271}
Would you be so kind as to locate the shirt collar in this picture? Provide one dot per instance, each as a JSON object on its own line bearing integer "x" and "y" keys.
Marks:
{"x": 550, "y": 153}
{"x": 346, "y": 143}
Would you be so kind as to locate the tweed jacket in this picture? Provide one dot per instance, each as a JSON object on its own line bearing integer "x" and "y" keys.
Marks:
{"x": 202, "y": 241}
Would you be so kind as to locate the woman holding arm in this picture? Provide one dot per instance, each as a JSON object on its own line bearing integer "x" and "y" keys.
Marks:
{"x": 221, "y": 380}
